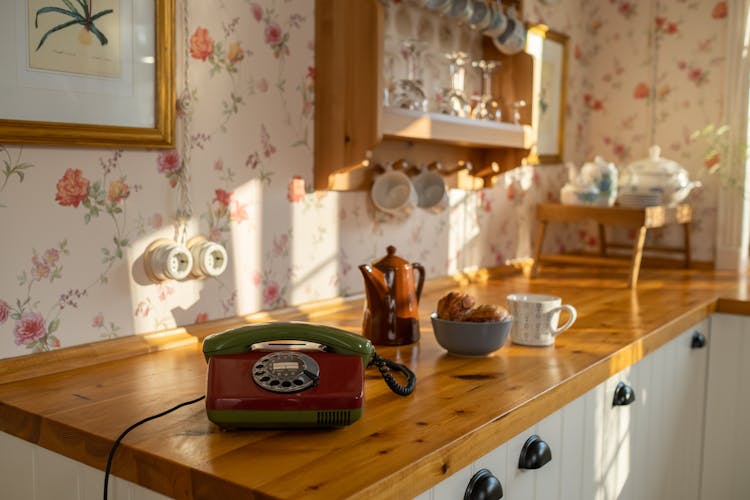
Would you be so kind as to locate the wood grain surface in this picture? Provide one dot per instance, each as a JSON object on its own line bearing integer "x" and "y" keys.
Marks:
{"x": 462, "y": 407}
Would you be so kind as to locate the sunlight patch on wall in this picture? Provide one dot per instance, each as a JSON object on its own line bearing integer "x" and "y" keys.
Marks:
{"x": 246, "y": 243}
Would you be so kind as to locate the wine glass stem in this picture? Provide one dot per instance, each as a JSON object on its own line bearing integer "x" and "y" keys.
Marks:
{"x": 486, "y": 84}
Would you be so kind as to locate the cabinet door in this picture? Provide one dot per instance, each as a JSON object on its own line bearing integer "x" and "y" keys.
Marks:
{"x": 726, "y": 461}
{"x": 666, "y": 421}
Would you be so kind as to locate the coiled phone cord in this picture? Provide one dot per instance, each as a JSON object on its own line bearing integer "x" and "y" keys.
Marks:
{"x": 386, "y": 365}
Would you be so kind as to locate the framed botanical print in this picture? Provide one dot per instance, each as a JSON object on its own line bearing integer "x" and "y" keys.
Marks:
{"x": 550, "y": 75}
{"x": 87, "y": 72}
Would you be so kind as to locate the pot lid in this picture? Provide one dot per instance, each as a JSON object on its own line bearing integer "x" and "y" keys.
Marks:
{"x": 655, "y": 164}
{"x": 391, "y": 261}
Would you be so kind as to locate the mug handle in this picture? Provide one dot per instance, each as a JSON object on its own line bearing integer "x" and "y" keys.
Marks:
{"x": 573, "y": 315}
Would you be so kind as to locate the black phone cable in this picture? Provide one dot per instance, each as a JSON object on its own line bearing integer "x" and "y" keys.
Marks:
{"x": 386, "y": 365}
{"x": 125, "y": 432}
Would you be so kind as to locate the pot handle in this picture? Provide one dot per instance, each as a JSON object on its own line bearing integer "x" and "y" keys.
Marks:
{"x": 420, "y": 280}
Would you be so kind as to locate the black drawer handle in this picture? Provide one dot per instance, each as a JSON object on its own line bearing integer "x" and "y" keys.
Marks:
{"x": 624, "y": 395}
{"x": 484, "y": 486}
{"x": 535, "y": 453}
{"x": 698, "y": 341}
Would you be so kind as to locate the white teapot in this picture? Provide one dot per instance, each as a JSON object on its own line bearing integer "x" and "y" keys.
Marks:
{"x": 603, "y": 175}
{"x": 576, "y": 191}
{"x": 655, "y": 181}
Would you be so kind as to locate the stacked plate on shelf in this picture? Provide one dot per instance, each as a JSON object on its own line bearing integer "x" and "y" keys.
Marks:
{"x": 639, "y": 199}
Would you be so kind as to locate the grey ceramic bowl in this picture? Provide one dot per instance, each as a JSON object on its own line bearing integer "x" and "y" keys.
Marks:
{"x": 465, "y": 338}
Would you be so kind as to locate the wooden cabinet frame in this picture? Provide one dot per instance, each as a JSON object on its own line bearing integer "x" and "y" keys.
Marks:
{"x": 349, "y": 115}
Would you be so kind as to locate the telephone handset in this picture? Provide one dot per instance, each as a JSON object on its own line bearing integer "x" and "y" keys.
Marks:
{"x": 270, "y": 375}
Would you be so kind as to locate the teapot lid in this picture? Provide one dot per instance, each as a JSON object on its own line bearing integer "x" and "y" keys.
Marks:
{"x": 391, "y": 260}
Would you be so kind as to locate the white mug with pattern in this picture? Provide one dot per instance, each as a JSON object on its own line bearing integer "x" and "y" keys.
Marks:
{"x": 536, "y": 317}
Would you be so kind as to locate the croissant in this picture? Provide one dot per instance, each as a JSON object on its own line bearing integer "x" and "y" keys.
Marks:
{"x": 486, "y": 312}
{"x": 454, "y": 306}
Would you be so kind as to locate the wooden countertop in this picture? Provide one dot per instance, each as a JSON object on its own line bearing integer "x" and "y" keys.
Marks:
{"x": 462, "y": 408}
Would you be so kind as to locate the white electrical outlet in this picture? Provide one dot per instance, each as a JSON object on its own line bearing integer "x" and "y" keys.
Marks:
{"x": 209, "y": 258}
{"x": 166, "y": 260}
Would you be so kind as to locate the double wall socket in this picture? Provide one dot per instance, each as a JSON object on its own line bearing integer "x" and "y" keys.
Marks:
{"x": 168, "y": 260}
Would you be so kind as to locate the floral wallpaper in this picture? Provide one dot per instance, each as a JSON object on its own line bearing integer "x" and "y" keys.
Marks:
{"x": 76, "y": 222}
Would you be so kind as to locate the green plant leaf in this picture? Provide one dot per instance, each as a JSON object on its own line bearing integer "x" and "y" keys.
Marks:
{"x": 54, "y": 325}
{"x": 102, "y": 39}
{"x": 59, "y": 10}
{"x": 58, "y": 28}
{"x": 72, "y": 7}
{"x": 84, "y": 5}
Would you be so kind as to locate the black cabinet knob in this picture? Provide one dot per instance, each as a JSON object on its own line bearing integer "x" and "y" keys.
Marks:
{"x": 535, "y": 453}
{"x": 484, "y": 486}
{"x": 698, "y": 341}
{"x": 624, "y": 395}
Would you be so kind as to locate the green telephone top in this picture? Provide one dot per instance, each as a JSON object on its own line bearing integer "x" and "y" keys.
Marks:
{"x": 239, "y": 340}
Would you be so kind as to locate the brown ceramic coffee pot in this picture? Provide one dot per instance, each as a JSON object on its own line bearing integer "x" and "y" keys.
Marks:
{"x": 391, "y": 314}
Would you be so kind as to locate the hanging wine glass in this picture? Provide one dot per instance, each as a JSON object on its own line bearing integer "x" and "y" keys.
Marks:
{"x": 453, "y": 100}
{"x": 407, "y": 93}
{"x": 487, "y": 108}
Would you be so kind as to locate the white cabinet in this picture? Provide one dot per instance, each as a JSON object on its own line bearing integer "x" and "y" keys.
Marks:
{"x": 726, "y": 464}
{"x": 650, "y": 448}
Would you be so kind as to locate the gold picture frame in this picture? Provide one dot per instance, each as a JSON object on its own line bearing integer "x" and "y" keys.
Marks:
{"x": 550, "y": 51}
{"x": 68, "y": 133}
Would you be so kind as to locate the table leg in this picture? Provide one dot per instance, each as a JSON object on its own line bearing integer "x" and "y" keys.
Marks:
{"x": 602, "y": 241}
{"x": 635, "y": 268}
{"x": 538, "y": 246}
{"x": 687, "y": 245}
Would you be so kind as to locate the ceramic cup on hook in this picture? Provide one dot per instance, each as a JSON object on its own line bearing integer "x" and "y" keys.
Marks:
{"x": 498, "y": 21}
{"x": 461, "y": 10}
{"x": 482, "y": 15}
{"x": 393, "y": 193}
{"x": 434, "y": 5}
{"x": 513, "y": 39}
{"x": 432, "y": 191}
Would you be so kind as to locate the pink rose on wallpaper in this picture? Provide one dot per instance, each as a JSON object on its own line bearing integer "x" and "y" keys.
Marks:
{"x": 40, "y": 269}
{"x": 627, "y": 9}
{"x": 29, "y": 328}
{"x": 51, "y": 256}
{"x": 273, "y": 34}
{"x": 168, "y": 162}
{"x": 72, "y": 188}
{"x": 271, "y": 292}
{"x": 592, "y": 103}
{"x": 262, "y": 85}
{"x": 98, "y": 321}
{"x": 223, "y": 197}
{"x": 201, "y": 317}
{"x": 235, "y": 53}
{"x": 719, "y": 11}
{"x": 296, "y": 189}
{"x": 641, "y": 91}
{"x": 201, "y": 44}
{"x": 118, "y": 191}
{"x": 4, "y": 311}
{"x": 256, "y": 278}
{"x": 257, "y": 11}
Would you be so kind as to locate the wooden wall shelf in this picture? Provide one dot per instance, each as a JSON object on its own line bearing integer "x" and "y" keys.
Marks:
{"x": 413, "y": 125}
{"x": 353, "y": 130}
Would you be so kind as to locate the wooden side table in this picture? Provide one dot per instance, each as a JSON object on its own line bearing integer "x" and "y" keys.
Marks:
{"x": 641, "y": 219}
